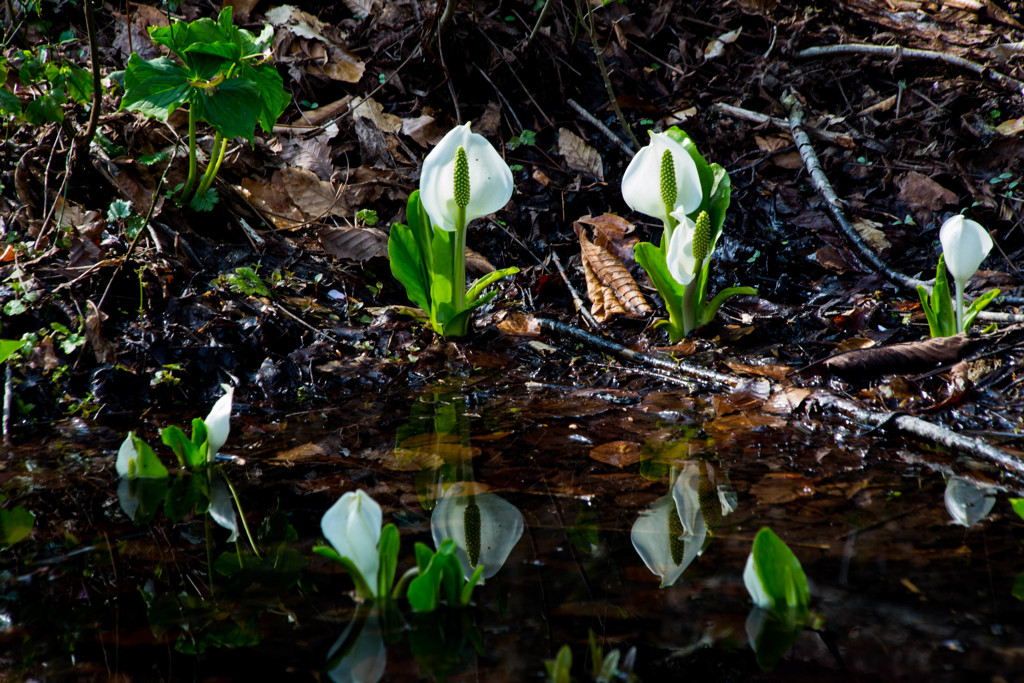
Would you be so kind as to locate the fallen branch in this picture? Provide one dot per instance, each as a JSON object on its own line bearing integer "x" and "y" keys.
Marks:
{"x": 841, "y": 139}
{"x": 907, "y": 424}
{"x": 832, "y": 201}
{"x": 896, "y": 52}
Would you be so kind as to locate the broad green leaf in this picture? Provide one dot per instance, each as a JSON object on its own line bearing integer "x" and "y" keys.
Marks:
{"x": 273, "y": 98}
{"x": 176, "y": 37}
{"x": 483, "y": 282}
{"x": 780, "y": 572}
{"x": 183, "y": 448}
{"x": 147, "y": 465}
{"x": 977, "y": 306}
{"x": 1018, "y": 506}
{"x": 155, "y": 87}
{"x": 721, "y": 195}
{"x": 467, "y": 588}
{"x": 8, "y": 347}
{"x": 141, "y": 498}
{"x": 45, "y": 108}
{"x": 387, "y": 550}
{"x": 229, "y": 108}
{"x": 708, "y": 311}
{"x": 15, "y": 524}
{"x": 407, "y": 264}
{"x": 559, "y": 669}
{"x": 652, "y": 260}
{"x": 9, "y": 103}
{"x": 423, "y": 591}
{"x": 362, "y": 587}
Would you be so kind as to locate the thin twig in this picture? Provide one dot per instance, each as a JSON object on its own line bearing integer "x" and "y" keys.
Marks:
{"x": 841, "y": 139}
{"x": 629, "y": 151}
{"x": 896, "y": 51}
{"x": 576, "y": 298}
{"x": 832, "y": 201}
{"x": 501, "y": 96}
{"x": 906, "y": 424}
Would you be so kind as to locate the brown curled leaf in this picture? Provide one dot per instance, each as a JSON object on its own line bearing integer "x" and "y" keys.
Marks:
{"x": 611, "y": 288}
{"x": 894, "y": 359}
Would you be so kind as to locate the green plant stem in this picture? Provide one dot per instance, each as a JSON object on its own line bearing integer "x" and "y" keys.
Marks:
{"x": 690, "y": 306}
{"x": 190, "y": 182}
{"x": 82, "y": 144}
{"x": 588, "y": 22}
{"x": 959, "y": 306}
{"x": 408, "y": 576}
{"x": 220, "y": 144}
{"x": 241, "y": 514}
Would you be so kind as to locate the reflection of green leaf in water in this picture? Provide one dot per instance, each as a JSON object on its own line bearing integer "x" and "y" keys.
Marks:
{"x": 15, "y": 524}
{"x": 1018, "y": 587}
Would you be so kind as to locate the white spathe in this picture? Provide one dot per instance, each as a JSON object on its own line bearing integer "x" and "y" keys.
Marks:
{"x": 754, "y": 586}
{"x": 966, "y": 503}
{"x": 965, "y": 244}
{"x": 501, "y": 526}
{"x": 490, "y": 179}
{"x": 641, "y": 183}
{"x": 218, "y": 422}
{"x": 126, "y": 455}
{"x": 352, "y": 526}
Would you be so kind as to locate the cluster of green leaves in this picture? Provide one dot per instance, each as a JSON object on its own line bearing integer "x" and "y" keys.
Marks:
{"x": 50, "y": 80}
{"x": 423, "y": 260}
{"x": 688, "y": 303}
{"x": 223, "y": 76}
{"x": 192, "y": 453}
{"x": 437, "y": 575}
{"x": 938, "y": 306}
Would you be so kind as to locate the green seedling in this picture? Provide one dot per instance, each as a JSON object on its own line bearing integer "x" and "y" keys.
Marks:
{"x": 223, "y": 75}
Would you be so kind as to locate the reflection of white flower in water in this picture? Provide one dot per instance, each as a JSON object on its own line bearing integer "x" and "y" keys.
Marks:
{"x": 966, "y": 503}
{"x": 365, "y": 659}
{"x": 484, "y": 527}
{"x": 664, "y": 547}
{"x": 128, "y": 496}
{"x": 670, "y": 534}
{"x": 222, "y": 507}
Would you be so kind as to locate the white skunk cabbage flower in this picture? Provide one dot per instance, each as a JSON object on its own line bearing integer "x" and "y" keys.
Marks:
{"x": 451, "y": 201}
{"x": 965, "y": 244}
{"x": 662, "y": 178}
{"x": 689, "y": 247}
{"x": 353, "y": 525}
{"x": 218, "y": 422}
{"x": 484, "y": 527}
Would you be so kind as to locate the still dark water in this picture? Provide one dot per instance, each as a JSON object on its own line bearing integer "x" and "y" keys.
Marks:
{"x": 899, "y": 590}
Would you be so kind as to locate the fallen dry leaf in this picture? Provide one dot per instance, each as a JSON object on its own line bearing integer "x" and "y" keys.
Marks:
{"x": 717, "y": 46}
{"x": 315, "y": 198}
{"x": 785, "y": 401}
{"x": 776, "y": 372}
{"x": 619, "y": 454}
{"x": 361, "y": 8}
{"x": 354, "y": 244}
{"x": 731, "y": 426}
{"x": 917, "y": 188}
{"x": 610, "y": 287}
{"x": 749, "y": 395}
{"x": 273, "y": 204}
{"x": 871, "y": 232}
{"x": 423, "y": 130}
{"x": 895, "y": 359}
{"x": 519, "y": 325}
{"x": 373, "y": 111}
{"x": 578, "y": 155}
{"x": 1011, "y": 127}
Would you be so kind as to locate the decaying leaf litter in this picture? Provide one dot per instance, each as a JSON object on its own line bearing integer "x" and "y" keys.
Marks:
{"x": 905, "y": 142}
